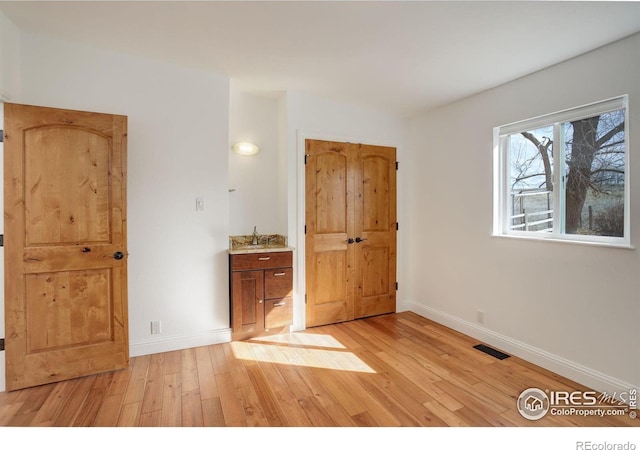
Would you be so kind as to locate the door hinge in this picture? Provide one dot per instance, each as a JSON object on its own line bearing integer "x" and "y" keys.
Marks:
{"x": 1, "y": 344}
{"x": 1, "y": 135}
{"x": 305, "y": 299}
{"x": 397, "y": 163}
{"x": 397, "y": 226}
{"x": 1, "y": 240}
{"x": 396, "y": 286}
{"x": 305, "y": 158}
{"x": 305, "y": 229}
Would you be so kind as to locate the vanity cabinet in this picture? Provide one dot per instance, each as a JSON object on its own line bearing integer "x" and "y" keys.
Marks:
{"x": 261, "y": 300}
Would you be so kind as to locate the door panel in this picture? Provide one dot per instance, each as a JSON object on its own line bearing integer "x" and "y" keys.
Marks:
{"x": 376, "y": 189}
{"x": 350, "y": 231}
{"x": 65, "y": 220}
{"x": 330, "y": 177}
{"x": 68, "y": 309}
{"x": 66, "y": 179}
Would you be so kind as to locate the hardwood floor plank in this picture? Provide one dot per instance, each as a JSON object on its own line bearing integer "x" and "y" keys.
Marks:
{"x": 192, "y": 412}
{"x": 189, "y": 370}
{"x": 206, "y": 374}
{"x": 109, "y": 412}
{"x": 94, "y": 399}
{"x": 152, "y": 399}
{"x": 151, "y": 419}
{"x": 172, "y": 399}
{"x": 138, "y": 380}
{"x": 260, "y": 401}
{"x": 232, "y": 410}
{"x": 72, "y": 407}
{"x": 212, "y": 413}
{"x": 129, "y": 415}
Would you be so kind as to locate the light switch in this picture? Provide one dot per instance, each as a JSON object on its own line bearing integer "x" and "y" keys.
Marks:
{"x": 199, "y": 204}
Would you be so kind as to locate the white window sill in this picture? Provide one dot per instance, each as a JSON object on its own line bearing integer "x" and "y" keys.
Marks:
{"x": 565, "y": 241}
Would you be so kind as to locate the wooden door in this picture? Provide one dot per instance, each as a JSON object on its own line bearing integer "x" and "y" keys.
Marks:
{"x": 65, "y": 244}
{"x": 350, "y": 231}
{"x": 329, "y": 226}
{"x": 375, "y": 230}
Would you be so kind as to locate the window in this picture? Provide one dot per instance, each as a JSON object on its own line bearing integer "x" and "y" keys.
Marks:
{"x": 563, "y": 175}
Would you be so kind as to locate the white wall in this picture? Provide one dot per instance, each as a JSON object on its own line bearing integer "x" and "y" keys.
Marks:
{"x": 177, "y": 151}
{"x": 572, "y": 308}
{"x": 318, "y": 118}
{"x": 254, "y": 179}
{"x": 9, "y": 58}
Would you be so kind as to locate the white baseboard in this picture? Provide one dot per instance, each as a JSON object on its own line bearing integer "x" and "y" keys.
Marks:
{"x": 586, "y": 376}
{"x": 149, "y": 347}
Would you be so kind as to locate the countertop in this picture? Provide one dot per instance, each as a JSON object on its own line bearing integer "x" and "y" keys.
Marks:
{"x": 246, "y": 249}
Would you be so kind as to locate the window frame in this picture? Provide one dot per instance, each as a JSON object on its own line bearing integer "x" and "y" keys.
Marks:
{"x": 502, "y": 174}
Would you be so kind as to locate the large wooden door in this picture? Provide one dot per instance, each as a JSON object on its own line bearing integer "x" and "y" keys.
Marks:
{"x": 350, "y": 243}
{"x": 65, "y": 244}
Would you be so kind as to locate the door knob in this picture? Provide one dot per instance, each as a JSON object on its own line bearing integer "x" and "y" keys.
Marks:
{"x": 118, "y": 255}
{"x": 359, "y": 239}
{"x": 350, "y": 241}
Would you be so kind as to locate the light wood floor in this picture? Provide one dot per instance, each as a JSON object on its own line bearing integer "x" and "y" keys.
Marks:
{"x": 388, "y": 371}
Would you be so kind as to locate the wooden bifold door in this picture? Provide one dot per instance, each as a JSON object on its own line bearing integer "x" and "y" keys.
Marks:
{"x": 350, "y": 242}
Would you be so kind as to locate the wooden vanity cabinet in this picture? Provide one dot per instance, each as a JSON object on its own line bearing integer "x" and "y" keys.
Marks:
{"x": 261, "y": 293}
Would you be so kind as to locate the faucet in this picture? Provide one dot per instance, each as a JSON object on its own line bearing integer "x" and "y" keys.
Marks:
{"x": 255, "y": 236}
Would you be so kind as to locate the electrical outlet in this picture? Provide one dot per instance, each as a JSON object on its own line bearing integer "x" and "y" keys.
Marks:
{"x": 480, "y": 316}
{"x": 155, "y": 327}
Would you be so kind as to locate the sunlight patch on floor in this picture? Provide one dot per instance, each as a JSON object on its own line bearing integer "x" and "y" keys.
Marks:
{"x": 313, "y": 340}
{"x": 322, "y": 358}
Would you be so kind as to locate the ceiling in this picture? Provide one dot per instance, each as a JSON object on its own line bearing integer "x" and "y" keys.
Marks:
{"x": 403, "y": 57}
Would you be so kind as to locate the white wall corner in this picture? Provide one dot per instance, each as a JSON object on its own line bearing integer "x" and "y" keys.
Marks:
{"x": 586, "y": 376}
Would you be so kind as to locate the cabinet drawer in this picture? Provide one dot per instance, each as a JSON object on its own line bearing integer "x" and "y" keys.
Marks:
{"x": 278, "y": 312}
{"x": 253, "y": 261}
{"x": 278, "y": 283}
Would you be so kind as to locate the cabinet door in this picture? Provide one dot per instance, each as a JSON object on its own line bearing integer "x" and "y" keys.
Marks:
{"x": 247, "y": 302}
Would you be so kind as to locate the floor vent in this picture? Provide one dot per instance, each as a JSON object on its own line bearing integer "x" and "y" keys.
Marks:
{"x": 491, "y": 351}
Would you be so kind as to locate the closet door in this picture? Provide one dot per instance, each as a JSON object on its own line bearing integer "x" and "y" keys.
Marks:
{"x": 350, "y": 231}
{"x": 375, "y": 231}
{"x": 329, "y": 226}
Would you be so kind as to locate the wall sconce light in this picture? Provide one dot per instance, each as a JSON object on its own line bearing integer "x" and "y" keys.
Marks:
{"x": 245, "y": 148}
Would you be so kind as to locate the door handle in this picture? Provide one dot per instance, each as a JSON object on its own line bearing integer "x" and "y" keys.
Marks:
{"x": 349, "y": 241}
{"x": 359, "y": 239}
{"x": 118, "y": 255}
